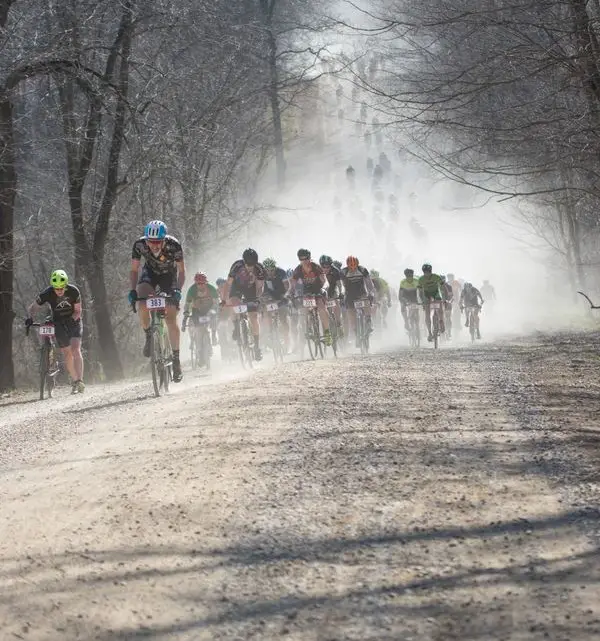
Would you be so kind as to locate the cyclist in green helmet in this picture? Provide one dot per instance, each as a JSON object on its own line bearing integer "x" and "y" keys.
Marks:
{"x": 65, "y": 303}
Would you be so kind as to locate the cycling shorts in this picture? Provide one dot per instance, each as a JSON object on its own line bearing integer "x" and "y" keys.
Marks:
{"x": 247, "y": 294}
{"x": 203, "y": 310}
{"x": 65, "y": 329}
{"x": 165, "y": 282}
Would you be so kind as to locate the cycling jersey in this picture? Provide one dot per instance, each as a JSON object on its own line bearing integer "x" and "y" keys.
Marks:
{"x": 382, "y": 289}
{"x": 447, "y": 292}
{"x": 431, "y": 286}
{"x": 334, "y": 277}
{"x": 355, "y": 283}
{"x": 275, "y": 285}
{"x": 311, "y": 279}
{"x": 408, "y": 291}
{"x": 171, "y": 253}
{"x": 470, "y": 298}
{"x": 488, "y": 292}
{"x": 245, "y": 279}
{"x": 62, "y": 306}
{"x": 202, "y": 297}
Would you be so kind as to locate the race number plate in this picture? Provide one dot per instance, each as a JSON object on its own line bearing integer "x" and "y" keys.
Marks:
{"x": 46, "y": 330}
{"x": 436, "y": 304}
{"x": 272, "y": 307}
{"x": 331, "y": 303}
{"x": 156, "y": 302}
{"x": 309, "y": 302}
{"x": 203, "y": 320}
{"x": 240, "y": 309}
{"x": 358, "y": 304}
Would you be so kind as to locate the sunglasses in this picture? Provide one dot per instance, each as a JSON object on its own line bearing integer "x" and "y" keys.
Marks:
{"x": 305, "y": 258}
{"x": 154, "y": 242}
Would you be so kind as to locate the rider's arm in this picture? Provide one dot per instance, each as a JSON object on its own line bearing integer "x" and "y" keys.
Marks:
{"x": 133, "y": 274}
{"x": 33, "y": 309}
{"x": 388, "y": 293}
{"x": 180, "y": 274}
{"x": 189, "y": 299}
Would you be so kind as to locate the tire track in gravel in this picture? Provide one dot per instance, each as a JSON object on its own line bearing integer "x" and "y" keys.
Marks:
{"x": 396, "y": 496}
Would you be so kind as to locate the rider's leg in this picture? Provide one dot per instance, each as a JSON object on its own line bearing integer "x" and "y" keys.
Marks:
{"x": 404, "y": 312}
{"x": 476, "y": 319}
{"x": 174, "y": 338}
{"x": 69, "y": 363}
{"x": 144, "y": 290}
{"x": 284, "y": 317}
{"x": 77, "y": 358}
{"x": 427, "y": 310}
{"x": 255, "y": 329}
{"x": 324, "y": 316}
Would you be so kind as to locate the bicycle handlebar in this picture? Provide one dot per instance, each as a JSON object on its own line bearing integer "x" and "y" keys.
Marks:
{"x": 28, "y": 327}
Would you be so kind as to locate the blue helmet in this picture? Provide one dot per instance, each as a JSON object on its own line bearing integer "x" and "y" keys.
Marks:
{"x": 155, "y": 230}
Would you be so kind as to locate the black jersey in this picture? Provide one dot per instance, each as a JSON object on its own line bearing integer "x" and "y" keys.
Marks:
{"x": 62, "y": 306}
{"x": 164, "y": 263}
{"x": 311, "y": 279}
{"x": 355, "y": 282}
{"x": 244, "y": 278}
{"x": 275, "y": 286}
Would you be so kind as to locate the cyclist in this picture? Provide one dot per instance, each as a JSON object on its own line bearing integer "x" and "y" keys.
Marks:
{"x": 313, "y": 283}
{"x": 246, "y": 282}
{"x": 65, "y": 303}
{"x": 456, "y": 290}
{"x": 358, "y": 285}
{"x": 448, "y": 296}
{"x": 471, "y": 297}
{"x": 430, "y": 288}
{"x": 163, "y": 268}
{"x": 489, "y": 294}
{"x": 334, "y": 287}
{"x": 201, "y": 299}
{"x": 382, "y": 295}
{"x": 276, "y": 287}
{"x": 407, "y": 295}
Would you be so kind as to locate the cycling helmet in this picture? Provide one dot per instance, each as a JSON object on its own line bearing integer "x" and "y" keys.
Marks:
{"x": 443, "y": 278}
{"x": 352, "y": 262}
{"x": 303, "y": 253}
{"x": 468, "y": 285}
{"x": 325, "y": 261}
{"x": 269, "y": 263}
{"x": 337, "y": 263}
{"x": 155, "y": 230}
{"x": 200, "y": 278}
{"x": 250, "y": 257}
{"x": 59, "y": 279}
{"x": 426, "y": 267}
{"x": 374, "y": 273}
{"x": 220, "y": 281}
{"x": 409, "y": 272}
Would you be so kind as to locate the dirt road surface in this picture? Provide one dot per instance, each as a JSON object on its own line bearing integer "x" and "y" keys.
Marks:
{"x": 423, "y": 496}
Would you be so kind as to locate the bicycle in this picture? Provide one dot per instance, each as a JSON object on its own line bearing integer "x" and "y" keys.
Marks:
{"x": 470, "y": 315}
{"x": 362, "y": 325}
{"x": 200, "y": 344}
{"x": 161, "y": 354}
{"x": 49, "y": 366}
{"x": 276, "y": 341}
{"x": 437, "y": 306}
{"x": 414, "y": 330}
{"x": 333, "y": 326}
{"x": 243, "y": 335}
{"x": 589, "y": 300}
{"x": 312, "y": 332}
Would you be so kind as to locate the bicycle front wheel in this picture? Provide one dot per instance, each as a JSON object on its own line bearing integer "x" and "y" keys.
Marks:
{"x": 205, "y": 348}
{"x": 155, "y": 361}
{"x": 44, "y": 366}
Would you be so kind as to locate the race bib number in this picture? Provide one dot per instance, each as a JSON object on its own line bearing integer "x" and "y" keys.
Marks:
{"x": 156, "y": 302}
{"x": 436, "y": 304}
{"x": 331, "y": 303}
{"x": 203, "y": 320}
{"x": 240, "y": 309}
{"x": 46, "y": 330}
{"x": 309, "y": 302}
{"x": 359, "y": 304}
{"x": 272, "y": 307}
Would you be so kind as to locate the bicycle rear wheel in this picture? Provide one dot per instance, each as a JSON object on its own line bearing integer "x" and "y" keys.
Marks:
{"x": 205, "y": 348}
{"x": 436, "y": 330}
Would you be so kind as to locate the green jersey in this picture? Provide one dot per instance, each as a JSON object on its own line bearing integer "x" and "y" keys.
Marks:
{"x": 431, "y": 286}
{"x": 408, "y": 291}
{"x": 198, "y": 297}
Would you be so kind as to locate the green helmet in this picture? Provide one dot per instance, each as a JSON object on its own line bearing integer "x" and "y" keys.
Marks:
{"x": 59, "y": 279}
{"x": 374, "y": 273}
{"x": 269, "y": 263}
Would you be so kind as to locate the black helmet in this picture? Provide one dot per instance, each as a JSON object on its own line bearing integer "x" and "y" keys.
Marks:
{"x": 250, "y": 257}
{"x": 409, "y": 272}
{"x": 220, "y": 281}
{"x": 303, "y": 253}
{"x": 426, "y": 267}
{"x": 325, "y": 260}
{"x": 337, "y": 263}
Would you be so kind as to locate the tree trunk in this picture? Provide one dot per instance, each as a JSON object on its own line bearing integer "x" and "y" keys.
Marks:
{"x": 8, "y": 188}
{"x": 276, "y": 110}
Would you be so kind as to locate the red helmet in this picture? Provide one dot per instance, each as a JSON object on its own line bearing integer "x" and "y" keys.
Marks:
{"x": 200, "y": 278}
{"x": 352, "y": 262}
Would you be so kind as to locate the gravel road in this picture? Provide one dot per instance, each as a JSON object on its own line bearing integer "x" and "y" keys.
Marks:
{"x": 399, "y": 496}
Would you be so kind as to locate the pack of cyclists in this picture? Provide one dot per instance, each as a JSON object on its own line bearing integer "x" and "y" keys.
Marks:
{"x": 157, "y": 263}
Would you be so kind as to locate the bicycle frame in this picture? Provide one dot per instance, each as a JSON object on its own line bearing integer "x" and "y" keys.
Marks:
{"x": 48, "y": 365}
{"x": 361, "y": 324}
